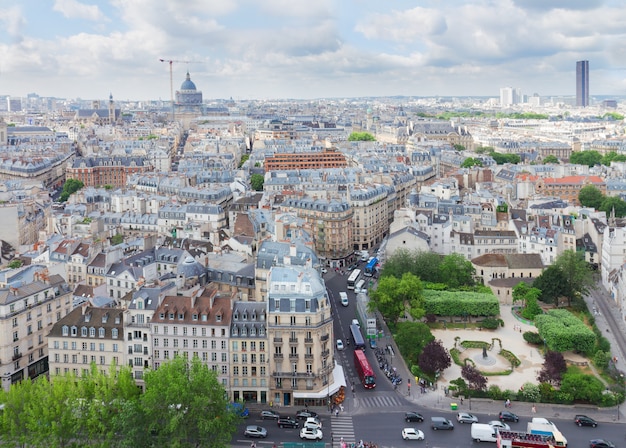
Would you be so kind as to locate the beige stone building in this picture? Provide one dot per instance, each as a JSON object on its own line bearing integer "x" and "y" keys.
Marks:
{"x": 30, "y": 301}
{"x": 498, "y": 266}
{"x": 84, "y": 336}
{"x": 249, "y": 355}
{"x": 371, "y": 216}
{"x": 194, "y": 326}
{"x": 300, "y": 333}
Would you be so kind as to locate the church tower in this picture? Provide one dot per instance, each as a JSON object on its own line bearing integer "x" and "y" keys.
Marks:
{"x": 111, "y": 109}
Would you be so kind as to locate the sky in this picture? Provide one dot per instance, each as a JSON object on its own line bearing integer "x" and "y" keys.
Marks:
{"x": 307, "y": 49}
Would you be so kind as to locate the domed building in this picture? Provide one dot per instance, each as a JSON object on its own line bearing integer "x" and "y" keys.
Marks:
{"x": 188, "y": 102}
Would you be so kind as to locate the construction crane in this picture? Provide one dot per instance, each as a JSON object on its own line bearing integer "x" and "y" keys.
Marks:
{"x": 171, "y": 62}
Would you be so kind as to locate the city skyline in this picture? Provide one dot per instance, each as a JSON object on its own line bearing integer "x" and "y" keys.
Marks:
{"x": 290, "y": 49}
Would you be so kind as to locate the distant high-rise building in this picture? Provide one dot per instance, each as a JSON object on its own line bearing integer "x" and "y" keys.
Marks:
{"x": 582, "y": 83}
{"x": 510, "y": 96}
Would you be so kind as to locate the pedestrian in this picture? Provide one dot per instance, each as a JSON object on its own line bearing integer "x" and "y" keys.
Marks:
{"x": 533, "y": 409}
{"x": 336, "y": 412}
{"x": 507, "y": 403}
{"x": 461, "y": 400}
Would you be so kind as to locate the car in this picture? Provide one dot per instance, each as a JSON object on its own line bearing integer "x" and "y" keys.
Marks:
{"x": 373, "y": 343}
{"x": 313, "y": 422}
{"x": 601, "y": 443}
{"x": 583, "y": 420}
{"x": 304, "y": 414}
{"x": 413, "y": 417}
{"x": 311, "y": 434}
{"x": 339, "y": 344}
{"x": 500, "y": 425}
{"x": 324, "y": 271}
{"x": 437, "y": 423}
{"x": 412, "y": 434}
{"x": 464, "y": 417}
{"x": 287, "y": 422}
{"x": 255, "y": 431}
{"x": 506, "y": 416}
{"x": 353, "y": 266}
{"x": 269, "y": 415}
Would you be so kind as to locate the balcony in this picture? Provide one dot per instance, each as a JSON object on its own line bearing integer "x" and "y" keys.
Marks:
{"x": 293, "y": 356}
{"x": 308, "y": 356}
{"x": 325, "y": 353}
{"x": 324, "y": 337}
{"x": 308, "y": 340}
{"x": 17, "y": 356}
{"x": 278, "y": 356}
{"x": 278, "y": 340}
{"x": 293, "y": 340}
{"x": 292, "y": 374}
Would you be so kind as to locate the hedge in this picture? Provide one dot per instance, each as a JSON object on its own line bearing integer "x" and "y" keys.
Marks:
{"x": 460, "y": 303}
{"x": 563, "y": 331}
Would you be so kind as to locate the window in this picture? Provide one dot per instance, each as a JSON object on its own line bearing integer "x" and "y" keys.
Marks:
{"x": 92, "y": 332}
{"x": 114, "y": 333}
{"x": 66, "y": 330}
{"x": 101, "y": 332}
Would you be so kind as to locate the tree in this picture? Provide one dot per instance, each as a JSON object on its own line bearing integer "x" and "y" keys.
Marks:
{"x": 470, "y": 162}
{"x": 551, "y": 159}
{"x": 434, "y": 358}
{"x": 501, "y": 159}
{"x": 69, "y": 187}
{"x": 554, "y": 366}
{"x": 186, "y": 406}
{"x": 582, "y": 387}
{"x": 613, "y": 203}
{"x": 14, "y": 264}
{"x": 257, "y": 181}
{"x": 552, "y": 285}
{"x": 475, "y": 379}
{"x": 590, "y": 196}
{"x": 613, "y": 156}
{"x": 528, "y": 296}
{"x": 393, "y": 296}
{"x": 589, "y": 158}
{"x": 576, "y": 273}
{"x": 426, "y": 266}
{"x": 458, "y": 147}
{"x": 361, "y": 137}
{"x": 411, "y": 338}
{"x": 457, "y": 271}
{"x": 116, "y": 239}
{"x": 397, "y": 264}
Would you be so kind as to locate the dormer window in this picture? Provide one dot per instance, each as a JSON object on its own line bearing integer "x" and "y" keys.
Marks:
{"x": 262, "y": 331}
{"x": 66, "y": 330}
{"x": 218, "y": 317}
{"x": 87, "y": 317}
{"x": 245, "y": 316}
{"x": 92, "y": 332}
{"x": 253, "y": 315}
{"x": 234, "y": 332}
{"x": 105, "y": 318}
{"x": 181, "y": 316}
{"x": 194, "y": 316}
{"x": 74, "y": 331}
{"x": 83, "y": 332}
{"x": 236, "y": 316}
{"x": 171, "y": 316}
{"x": 244, "y": 331}
{"x": 114, "y": 333}
{"x": 101, "y": 332}
{"x": 117, "y": 319}
{"x": 161, "y": 315}
{"x": 252, "y": 331}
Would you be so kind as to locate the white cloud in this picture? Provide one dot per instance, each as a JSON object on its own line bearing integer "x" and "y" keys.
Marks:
{"x": 12, "y": 21}
{"x": 73, "y": 9}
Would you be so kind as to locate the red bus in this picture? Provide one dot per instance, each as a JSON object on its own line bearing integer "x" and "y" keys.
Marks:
{"x": 366, "y": 374}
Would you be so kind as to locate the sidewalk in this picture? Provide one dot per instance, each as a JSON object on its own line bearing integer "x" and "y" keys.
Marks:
{"x": 532, "y": 361}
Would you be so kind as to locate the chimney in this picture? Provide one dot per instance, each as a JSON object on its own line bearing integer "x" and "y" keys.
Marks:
{"x": 84, "y": 307}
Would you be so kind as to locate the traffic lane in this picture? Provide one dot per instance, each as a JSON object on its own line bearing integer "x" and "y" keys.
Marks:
{"x": 275, "y": 435}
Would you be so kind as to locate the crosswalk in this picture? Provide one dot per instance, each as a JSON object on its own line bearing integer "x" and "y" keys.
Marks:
{"x": 342, "y": 430}
{"x": 377, "y": 401}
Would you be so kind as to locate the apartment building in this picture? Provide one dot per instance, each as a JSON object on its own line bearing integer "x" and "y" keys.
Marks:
{"x": 99, "y": 171}
{"x": 87, "y": 335}
{"x": 567, "y": 188}
{"x": 331, "y": 223}
{"x": 249, "y": 355}
{"x": 300, "y": 333}
{"x": 194, "y": 326}
{"x": 371, "y": 216}
{"x": 481, "y": 242}
{"x": 313, "y": 160}
{"x": 31, "y": 301}
{"x": 493, "y": 266}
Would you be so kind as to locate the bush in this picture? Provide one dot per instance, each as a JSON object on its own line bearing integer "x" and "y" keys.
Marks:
{"x": 547, "y": 392}
{"x": 601, "y": 359}
{"x": 529, "y": 392}
{"x": 494, "y": 392}
{"x": 514, "y": 360}
{"x": 490, "y": 323}
{"x": 532, "y": 338}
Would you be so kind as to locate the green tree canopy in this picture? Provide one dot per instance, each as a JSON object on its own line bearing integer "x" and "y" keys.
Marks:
{"x": 611, "y": 203}
{"x": 257, "y": 181}
{"x": 501, "y": 159}
{"x": 552, "y": 285}
{"x": 422, "y": 264}
{"x": 361, "y": 137}
{"x": 613, "y": 156}
{"x": 457, "y": 271}
{"x": 69, "y": 187}
{"x": 589, "y": 158}
{"x": 411, "y": 338}
{"x": 393, "y": 297}
{"x": 470, "y": 162}
{"x": 458, "y": 147}
{"x": 576, "y": 273}
{"x": 551, "y": 159}
{"x": 590, "y": 196}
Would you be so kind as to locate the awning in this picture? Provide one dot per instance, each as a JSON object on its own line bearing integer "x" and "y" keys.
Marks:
{"x": 338, "y": 380}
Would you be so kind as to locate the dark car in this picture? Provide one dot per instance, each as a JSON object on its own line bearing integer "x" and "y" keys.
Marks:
{"x": 413, "y": 417}
{"x": 269, "y": 415}
{"x": 304, "y": 414}
{"x": 373, "y": 343}
{"x": 506, "y": 416}
{"x": 583, "y": 420}
{"x": 288, "y": 422}
{"x": 601, "y": 443}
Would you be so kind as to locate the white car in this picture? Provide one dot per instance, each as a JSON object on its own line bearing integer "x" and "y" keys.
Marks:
{"x": 313, "y": 422}
{"x": 311, "y": 434}
{"x": 324, "y": 271}
{"x": 339, "y": 344}
{"x": 412, "y": 434}
{"x": 500, "y": 425}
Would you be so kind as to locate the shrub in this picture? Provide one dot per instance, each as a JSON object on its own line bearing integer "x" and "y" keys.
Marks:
{"x": 490, "y": 323}
{"x": 529, "y": 392}
{"x": 494, "y": 392}
{"x": 547, "y": 392}
{"x": 514, "y": 360}
{"x": 532, "y": 338}
{"x": 601, "y": 359}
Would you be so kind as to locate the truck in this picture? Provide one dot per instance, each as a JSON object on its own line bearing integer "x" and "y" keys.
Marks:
{"x": 547, "y": 429}
{"x": 517, "y": 439}
{"x": 481, "y": 432}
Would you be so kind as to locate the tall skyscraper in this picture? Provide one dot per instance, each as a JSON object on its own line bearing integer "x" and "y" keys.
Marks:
{"x": 582, "y": 83}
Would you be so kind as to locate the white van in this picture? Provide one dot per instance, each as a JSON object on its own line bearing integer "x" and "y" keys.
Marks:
{"x": 360, "y": 287}
{"x": 344, "y": 298}
{"x": 481, "y": 432}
